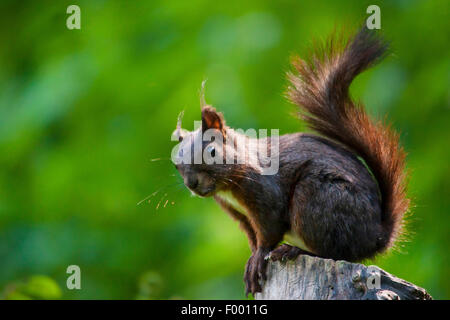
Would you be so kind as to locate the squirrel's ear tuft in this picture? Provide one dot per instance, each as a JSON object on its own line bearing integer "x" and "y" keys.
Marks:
{"x": 211, "y": 119}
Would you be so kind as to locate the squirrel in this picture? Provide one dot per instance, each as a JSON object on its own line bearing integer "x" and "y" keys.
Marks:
{"x": 340, "y": 194}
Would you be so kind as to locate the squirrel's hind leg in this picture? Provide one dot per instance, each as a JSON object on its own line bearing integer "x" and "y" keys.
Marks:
{"x": 336, "y": 218}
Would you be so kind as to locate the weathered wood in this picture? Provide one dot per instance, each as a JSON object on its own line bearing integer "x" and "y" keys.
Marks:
{"x": 312, "y": 278}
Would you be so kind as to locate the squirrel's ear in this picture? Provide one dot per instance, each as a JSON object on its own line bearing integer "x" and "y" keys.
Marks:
{"x": 211, "y": 119}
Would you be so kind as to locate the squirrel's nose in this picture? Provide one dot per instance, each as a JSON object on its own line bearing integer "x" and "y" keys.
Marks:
{"x": 191, "y": 182}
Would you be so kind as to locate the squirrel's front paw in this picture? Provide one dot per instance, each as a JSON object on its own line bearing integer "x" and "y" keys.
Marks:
{"x": 255, "y": 272}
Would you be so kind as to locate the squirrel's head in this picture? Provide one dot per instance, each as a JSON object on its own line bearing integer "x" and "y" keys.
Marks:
{"x": 200, "y": 155}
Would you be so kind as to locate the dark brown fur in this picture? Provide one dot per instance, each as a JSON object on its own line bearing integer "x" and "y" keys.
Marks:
{"x": 323, "y": 193}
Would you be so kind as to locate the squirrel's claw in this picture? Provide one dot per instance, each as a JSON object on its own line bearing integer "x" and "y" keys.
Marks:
{"x": 255, "y": 272}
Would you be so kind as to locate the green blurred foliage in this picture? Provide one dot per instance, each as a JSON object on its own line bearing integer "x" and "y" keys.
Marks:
{"x": 83, "y": 112}
{"x": 36, "y": 287}
{"x": 150, "y": 285}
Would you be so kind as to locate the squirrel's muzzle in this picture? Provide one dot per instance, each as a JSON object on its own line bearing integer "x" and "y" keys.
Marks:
{"x": 191, "y": 182}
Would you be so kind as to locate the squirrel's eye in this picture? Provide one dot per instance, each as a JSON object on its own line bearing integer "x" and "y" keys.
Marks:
{"x": 212, "y": 151}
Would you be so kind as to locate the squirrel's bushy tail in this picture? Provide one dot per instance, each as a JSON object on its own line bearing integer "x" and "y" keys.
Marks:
{"x": 320, "y": 87}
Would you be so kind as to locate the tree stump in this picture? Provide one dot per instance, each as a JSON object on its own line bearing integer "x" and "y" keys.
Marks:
{"x": 312, "y": 278}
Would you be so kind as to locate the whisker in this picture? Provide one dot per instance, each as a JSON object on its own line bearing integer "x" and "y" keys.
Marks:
{"x": 244, "y": 177}
{"x": 159, "y": 159}
{"x": 157, "y": 191}
{"x": 157, "y": 206}
{"x": 151, "y": 195}
{"x": 178, "y": 186}
{"x": 234, "y": 183}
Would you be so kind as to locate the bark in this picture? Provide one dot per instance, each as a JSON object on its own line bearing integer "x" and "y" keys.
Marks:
{"x": 312, "y": 278}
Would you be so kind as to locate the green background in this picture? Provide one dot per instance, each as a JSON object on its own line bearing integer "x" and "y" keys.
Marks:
{"x": 83, "y": 112}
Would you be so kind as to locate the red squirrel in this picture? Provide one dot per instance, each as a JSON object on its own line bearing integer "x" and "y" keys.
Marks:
{"x": 324, "y": 200}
